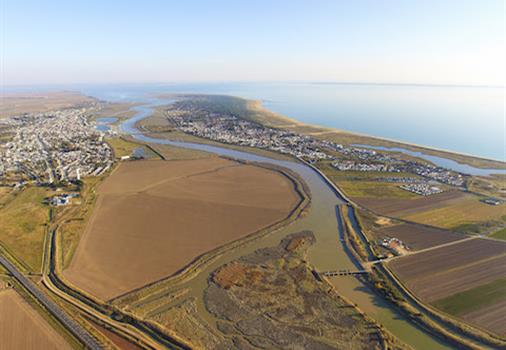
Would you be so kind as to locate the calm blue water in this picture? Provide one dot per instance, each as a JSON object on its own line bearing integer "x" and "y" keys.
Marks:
{"x": 440, "y": 161}
{"x": 106, "y": 120}
{"x": 462, "y": 119}
{"x": 103, "y": 123}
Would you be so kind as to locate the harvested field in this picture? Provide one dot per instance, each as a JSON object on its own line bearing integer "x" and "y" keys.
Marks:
{"x": 402, "y": 207}
{"x": 467, "y": 210}
{"x": 491, "y": 317}
{"x": 21, "y": 327}
{"x": 438, "y": 274}
{"x": 419, "y": 268}
{"x": 484, "y": 305}
{"x": 152, "y": 218}
{"x": 472, "y": 299}
{"x": 418, "y": 236}
{"x": 453, "y": 210}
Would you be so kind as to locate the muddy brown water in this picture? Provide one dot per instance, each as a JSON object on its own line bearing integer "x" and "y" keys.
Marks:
{"x": 326, "y": 254}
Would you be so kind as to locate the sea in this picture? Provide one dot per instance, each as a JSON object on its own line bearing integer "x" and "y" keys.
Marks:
{"x": 463, "y": 119}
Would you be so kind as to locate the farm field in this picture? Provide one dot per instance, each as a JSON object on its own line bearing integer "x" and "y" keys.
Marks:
{"x": 484, "y": 305}
{"x": 398, "y": 207}
{"x": 494, "y": 186}
{"x": 190, "y": 207}
{"x": 418, "y": 236}
{"x": 466, "y": 211}
{"x": 465, "y": 270}
{"x": 374, "y": 189}
{"x": 23, "y": 328}
{"x": 118, "y": 341}
{"x": 501, "y": 234}
{"x": 22, "y": 225}
{"x": 453, "y": 210}
{"x": 18, "y": 103}
{"x": 123, "y": 147}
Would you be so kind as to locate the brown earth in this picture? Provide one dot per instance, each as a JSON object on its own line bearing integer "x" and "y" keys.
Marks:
{"x": 117, "y": 340}
{"x": 418, "y": 236}
{"x": 17, "y": 103}
{"x": 402, "y": 207}
{"x": 270, "y": 299}
{"x": 152, "y": 218}
{"x": 492, "y": 317}
{"x": 442, "y": 272}
{"x": 21, "y": 327}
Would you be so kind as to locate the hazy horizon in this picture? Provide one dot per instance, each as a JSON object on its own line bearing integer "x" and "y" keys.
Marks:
{"x": 426, "y": 43}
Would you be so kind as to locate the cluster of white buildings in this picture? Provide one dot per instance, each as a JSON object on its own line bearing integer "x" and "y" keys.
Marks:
{"x": 350, "y": 165}
{"x": 228, "y": 128}
{"x": 394, "y": 165}
{"x": 395, "y": 245}
{"x": 236, "y": 131}
{"x": 423, "y": 189}
{"x": 54, "y": 146}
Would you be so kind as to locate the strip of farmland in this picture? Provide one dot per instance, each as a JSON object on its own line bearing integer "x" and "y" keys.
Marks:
{"x": 443, "y": 272}
{"x": 418, "y": 236}
{"x": 152, "y": 218}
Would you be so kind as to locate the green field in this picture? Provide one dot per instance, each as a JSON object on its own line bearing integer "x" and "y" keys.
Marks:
{"x": 76, "y": 217}
{"x": 123, "y": 147}
{"x": 501, "y": 234}
{"x": 373, "y": 189}
{"x": 467, "y": 214}
{"x": 22, "y": 226}
{"x": 474, "y": 298}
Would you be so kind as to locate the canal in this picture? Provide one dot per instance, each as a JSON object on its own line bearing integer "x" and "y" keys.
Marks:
{"x": 328, "y": 253}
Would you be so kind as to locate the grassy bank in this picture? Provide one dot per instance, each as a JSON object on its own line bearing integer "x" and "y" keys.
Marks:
{"x": 23, "y": 221}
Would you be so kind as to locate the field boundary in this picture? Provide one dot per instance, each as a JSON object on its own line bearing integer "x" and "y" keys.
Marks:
{"x": 469, "y": 330}
{"x": 187, "y": 272}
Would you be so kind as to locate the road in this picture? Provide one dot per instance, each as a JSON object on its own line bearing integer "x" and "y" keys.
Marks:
{"x": 146, "y": 341}
{"x": 78, "y": 331}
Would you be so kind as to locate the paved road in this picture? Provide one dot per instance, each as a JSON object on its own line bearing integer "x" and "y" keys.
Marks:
{"x": 57, "y": 312}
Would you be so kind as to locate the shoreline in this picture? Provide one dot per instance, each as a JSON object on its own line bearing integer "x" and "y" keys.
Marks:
{"x": 440, "y": 152}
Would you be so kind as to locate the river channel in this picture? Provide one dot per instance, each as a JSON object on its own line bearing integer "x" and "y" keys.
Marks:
{"x": 327, "y": 254}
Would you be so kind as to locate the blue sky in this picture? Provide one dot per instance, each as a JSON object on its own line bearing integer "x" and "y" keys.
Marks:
{"x": 441, "y": 42}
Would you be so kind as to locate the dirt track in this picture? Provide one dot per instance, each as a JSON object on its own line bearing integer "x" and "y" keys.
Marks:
{"x": 152, "y": 218}
{"x": 420, "y": 237}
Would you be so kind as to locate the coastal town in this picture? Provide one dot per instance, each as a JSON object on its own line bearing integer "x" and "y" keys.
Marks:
{"x": 231, "y": 129}
{"x": 45, "y": 148}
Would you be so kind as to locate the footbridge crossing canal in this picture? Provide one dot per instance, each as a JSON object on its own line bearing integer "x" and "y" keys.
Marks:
{"x": 328, "y": 253}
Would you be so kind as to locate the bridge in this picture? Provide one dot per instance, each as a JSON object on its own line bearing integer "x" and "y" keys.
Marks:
{"x": 344, "y": 273}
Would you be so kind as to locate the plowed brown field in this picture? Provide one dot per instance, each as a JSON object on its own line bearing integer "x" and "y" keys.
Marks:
{"x": 152, "y": 218}
{"x": 419, "y": 236}
{"x": 400, "y": 207}
{"x": 492, "y": 317}
{"x": 22, "y": 328}
{"x": 442, "y": 272}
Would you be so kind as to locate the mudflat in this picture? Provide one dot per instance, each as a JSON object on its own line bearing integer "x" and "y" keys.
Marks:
{"x": 152, "y": 218}
{"x": 21, "y": 327}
